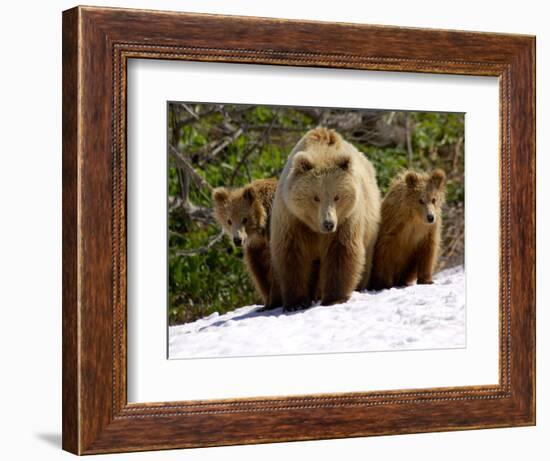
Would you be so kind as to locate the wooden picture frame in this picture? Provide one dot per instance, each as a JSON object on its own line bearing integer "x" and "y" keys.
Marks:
{"x": 97, "y": 43}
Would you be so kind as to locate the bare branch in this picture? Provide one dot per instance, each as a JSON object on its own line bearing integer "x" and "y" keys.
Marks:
{"x": 221, "y": 146}
{"x": 183, "y": 163}
{"x": 201, "y": 250}
{"x": 176, "y": 234}
{"x": 190, "y": 111}
{"x": 194, "y": 212}
{"x": 258, "y": 143}
{"x": 178, "y": 124}
{"x": 184, "y": 184}
{"x": 408, "y": 135}
{"x": 457, "y": 151}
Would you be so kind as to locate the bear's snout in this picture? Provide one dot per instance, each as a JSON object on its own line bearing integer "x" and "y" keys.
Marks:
{"x": 237, "y": 241}
{"x": 430, "y": 217}
{"x": 328, "y": 225}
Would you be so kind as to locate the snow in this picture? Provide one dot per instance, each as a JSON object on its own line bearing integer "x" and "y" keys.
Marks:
{"x": 415, "y": 317}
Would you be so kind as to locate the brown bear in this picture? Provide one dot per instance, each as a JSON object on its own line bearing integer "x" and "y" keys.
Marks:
{"x": 408, "y": 240}
{"x": 324, "y": 221}
{"x": 244, "y": 214}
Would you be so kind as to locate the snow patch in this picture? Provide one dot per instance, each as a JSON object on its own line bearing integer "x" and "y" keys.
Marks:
{"x": 416, "y": 317}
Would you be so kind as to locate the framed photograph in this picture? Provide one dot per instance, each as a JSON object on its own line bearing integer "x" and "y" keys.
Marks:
{"x": 282, "y": 230}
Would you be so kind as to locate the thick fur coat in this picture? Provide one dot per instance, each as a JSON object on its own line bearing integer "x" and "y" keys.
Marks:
{"x": 408, "y": 241}
{"x": 324, "y": 222}
{"x": 244, "y": 214}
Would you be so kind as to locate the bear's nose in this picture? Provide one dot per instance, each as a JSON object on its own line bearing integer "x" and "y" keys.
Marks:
{"x": 237, "y": 241}
{"x": 430, "y": 218}
{"x": 328, "y": 226}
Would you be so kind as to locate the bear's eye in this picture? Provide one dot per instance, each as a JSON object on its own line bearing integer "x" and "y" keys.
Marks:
{"x": 336, "y": 198}
{"x": 433, "y": 200}
{"x": 244, "y": 220}
{"x": 229, "y": 222}
{"x": 421, "y": 202}
{"x": 316, "y": 198}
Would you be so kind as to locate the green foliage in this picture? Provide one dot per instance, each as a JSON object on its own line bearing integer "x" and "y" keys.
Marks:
{"x": 205, "y": 283}
{"x": 386, "y": 161}
{"x": 206, "y": 273}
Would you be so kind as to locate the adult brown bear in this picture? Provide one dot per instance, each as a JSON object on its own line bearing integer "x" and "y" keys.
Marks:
{"x": 324, "y": 221}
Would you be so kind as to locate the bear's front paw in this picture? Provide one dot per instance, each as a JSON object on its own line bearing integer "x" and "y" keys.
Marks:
{"x": 296, "y": 306}
{"x": 268, "y": 307}
{"x": 334, "y": 300}
{"x": 424, "y": 281}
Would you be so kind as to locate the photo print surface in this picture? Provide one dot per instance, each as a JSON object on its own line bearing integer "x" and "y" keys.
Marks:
{"x": 304, "y": 230}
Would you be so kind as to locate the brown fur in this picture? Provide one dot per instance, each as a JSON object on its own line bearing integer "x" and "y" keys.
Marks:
{"x": 326, "y": 182}
{"x": 408, "y": 244}
{"x": 244, "y": 214}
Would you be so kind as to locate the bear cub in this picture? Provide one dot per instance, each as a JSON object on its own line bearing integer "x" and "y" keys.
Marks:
{"x": 408, "y": 241}
{"x": 244, "y": 214}
{"x": 325, "y": 221}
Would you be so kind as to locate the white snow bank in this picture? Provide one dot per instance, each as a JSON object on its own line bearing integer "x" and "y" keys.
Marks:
{"x": 416, "y": 317}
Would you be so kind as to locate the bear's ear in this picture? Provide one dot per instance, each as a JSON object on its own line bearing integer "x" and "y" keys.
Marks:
{"x": 322, "y": 135}
{"x": 438, "y": 179}
{"x": 249, "y": 194}
{"x": 411, "y": 179}
{"x": 301, "y": 163}
{"x": 220, "y": 195}
{"x": 344, "y": 162}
